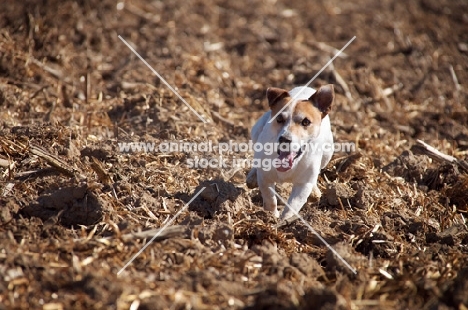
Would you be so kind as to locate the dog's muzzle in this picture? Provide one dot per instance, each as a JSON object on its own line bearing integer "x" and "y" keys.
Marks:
{"x": 287, "y": 154}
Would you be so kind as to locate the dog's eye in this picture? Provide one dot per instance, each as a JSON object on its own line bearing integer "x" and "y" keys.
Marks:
{"x": 280, "y": 119}
{"x": 305, "y": 122}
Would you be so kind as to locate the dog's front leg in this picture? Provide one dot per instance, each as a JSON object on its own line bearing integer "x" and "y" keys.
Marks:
{"x": 298, "y": 198}
{"x": 269, "y": 198}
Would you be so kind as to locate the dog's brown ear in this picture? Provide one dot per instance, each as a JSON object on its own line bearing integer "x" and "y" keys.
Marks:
{"x": 323, "y": 99}
{"x": 275, "y": 94}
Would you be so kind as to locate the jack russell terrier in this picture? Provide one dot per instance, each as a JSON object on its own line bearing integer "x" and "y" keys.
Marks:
{"x": 301, "y": 135}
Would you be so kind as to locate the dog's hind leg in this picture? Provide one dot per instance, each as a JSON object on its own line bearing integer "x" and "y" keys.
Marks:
{"x": 251, "y": 179}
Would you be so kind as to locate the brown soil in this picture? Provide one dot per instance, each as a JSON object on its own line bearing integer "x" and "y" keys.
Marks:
{"x": 71, "y": 203}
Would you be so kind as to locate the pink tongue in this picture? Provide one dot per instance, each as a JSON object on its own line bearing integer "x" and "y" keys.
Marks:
{"x": 286, "y": 159}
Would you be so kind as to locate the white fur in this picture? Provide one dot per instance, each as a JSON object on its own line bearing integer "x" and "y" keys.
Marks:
{"x": 304, "y": 173}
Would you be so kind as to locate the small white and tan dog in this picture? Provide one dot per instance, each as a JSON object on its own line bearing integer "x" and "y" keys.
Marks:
{"x": 301, "y": 134}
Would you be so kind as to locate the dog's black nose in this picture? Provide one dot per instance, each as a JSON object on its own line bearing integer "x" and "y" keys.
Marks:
{"x": 283, "y": 140}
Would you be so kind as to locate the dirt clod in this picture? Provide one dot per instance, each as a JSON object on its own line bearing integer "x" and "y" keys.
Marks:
{"x": 338, "y": 191}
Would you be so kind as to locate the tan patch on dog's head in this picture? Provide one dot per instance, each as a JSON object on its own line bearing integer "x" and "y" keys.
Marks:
{"x": 306, "y": 120}
{"x": 306, "y": 116}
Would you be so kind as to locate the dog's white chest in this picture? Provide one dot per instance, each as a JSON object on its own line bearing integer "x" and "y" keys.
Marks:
{"x": 293, "y": 146}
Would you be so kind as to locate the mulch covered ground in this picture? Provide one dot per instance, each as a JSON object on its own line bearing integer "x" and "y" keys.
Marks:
{"x": 75, "y": 208}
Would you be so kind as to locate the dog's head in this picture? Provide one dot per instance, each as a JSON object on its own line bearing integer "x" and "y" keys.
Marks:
{"x": 299, "y": 114}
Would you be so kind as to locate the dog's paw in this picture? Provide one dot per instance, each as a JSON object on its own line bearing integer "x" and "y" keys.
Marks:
{"x": 287, "y": 214}
{"x": 276, "y": 213}
{"x": 315, "y": 195}
{"x": 316, "y": 192}
{"x": 272, "y": 208}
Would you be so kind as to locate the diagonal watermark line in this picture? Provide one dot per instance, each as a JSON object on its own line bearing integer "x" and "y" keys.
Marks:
{"x": 315, "y": 232}
{"x": 162, "y": 79}
{"x": 315, "y": 76}
{"x": 160, "y": 231}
